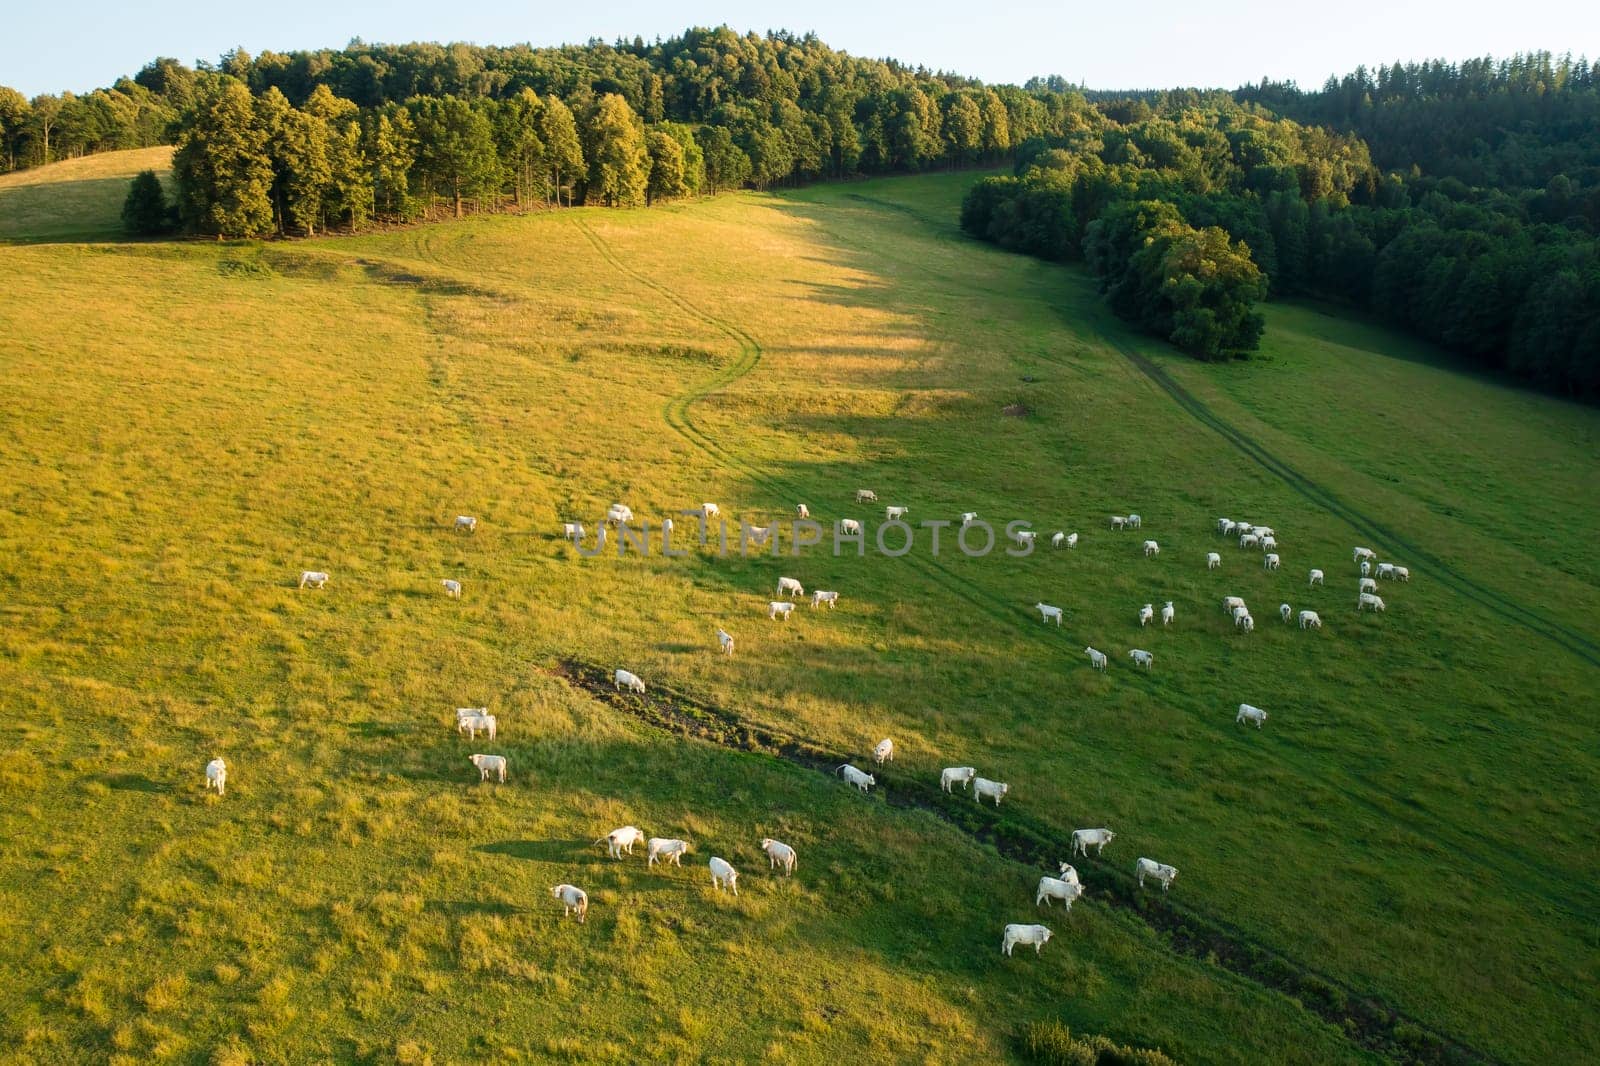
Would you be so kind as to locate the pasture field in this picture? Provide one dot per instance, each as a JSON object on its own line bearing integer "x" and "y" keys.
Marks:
{"x": 189, "y": 425}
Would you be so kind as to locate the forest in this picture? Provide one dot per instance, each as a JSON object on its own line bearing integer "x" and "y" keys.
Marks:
{"x": 1459, "y": 201}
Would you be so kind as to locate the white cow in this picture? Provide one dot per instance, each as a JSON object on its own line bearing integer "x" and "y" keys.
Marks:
{"x": 1316, "y": 579}
{"x": 489, "y": 764}
{"x": 463, "y": 713}
{"x": 1151, "y": 548}
{"x": 1228, "y": 528}
{"x": 866, "y": 496}
{"x": 1264, "y": 532}
{"x": 619, "y": 512}
{"x": 821, "y": 596}
{"x": 1223, "y": 524}
{"x": 1069, "y": 873}
{"x": 665, "y": 849}
{"x": 667, "y": 527}
{"x": 1213, "y": 560}
{"x": 891, "y": 513}
{"x": 1239, "y": 612}
{"x": 1244, "y": 527}
{"x": 1167, "y": 613}
{"x": 1248, "y": 713}
{"x": 1147, "y": 614}
{"x": 315, "y": 578}
{"x": 1026, "y": 536}
{"x": 1119, "y": 521}
{"x": 791, "y": 586}
{"x": 724, "y": 642}
{"x": 1037, "y": 935}
{"x": 1247, "y": 622}
{"x": 621, "y": 840}
{"x": 1097, "y": 659}
{"x": 625, "y": 679}
{"x": 1047, "y": 612}
{"x": 779, "y": 609}
{"x": 1231, "y": 604}
{"x": 968, "y": 517}
{"x": 574, "y": 900}
{"x": 1054, "y": 888}
{"x": 1160, "y": 871}
{"x": 1270, "y": 561}
{"x": 1057, "y": 539}
{"x": 710, "y": 510}
{"x": 1141, "y": 657}
{"x": 1285, "y": 612}
{"x": 884, "y": 752}
{"x": 1385, "y": 570}
{"x": 466, "y": 522}
{"x": 1072, "y": 540}
{"x": 452, "y": 588}
{"x": 1083, "y": 838}
{"x": 217, "y": 776}
{"x": 1367, "y": 600}
{"x": 859, "y": 778}
{"x": 759, "y": 534}
{"x": 723, "y": 875}
{"x": 951, "y": 774}
{"x": 802, "y": 510}
{"x": 1402, "y": 574}
{"x": 1358, "y": 554}
{"x": 1269, "y": 544}
{"x": 572, "y": 530}
{"x": 1369, "y": 584}
{"x": 1366, "y": 568}
{"x": 1310, "y": 620}
{"x": 1249, "y": 540}
{"x": 472, "y": 723}
{"x": 849, "y": 525}
{"x": 982, "y": 786}
{"x": 779, "y": 854}
{"x": 1134, "y": 521}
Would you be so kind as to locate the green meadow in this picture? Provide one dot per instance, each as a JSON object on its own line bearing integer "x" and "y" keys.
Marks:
{"x": 189, "y": 425}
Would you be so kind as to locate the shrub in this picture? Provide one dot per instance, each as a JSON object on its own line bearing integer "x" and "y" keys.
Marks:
{"x": 1052, "y": 1044}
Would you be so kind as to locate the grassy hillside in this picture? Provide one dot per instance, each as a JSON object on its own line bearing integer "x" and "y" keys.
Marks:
{"x": 75, "y": 200}
{"x": 1411, "y": 823}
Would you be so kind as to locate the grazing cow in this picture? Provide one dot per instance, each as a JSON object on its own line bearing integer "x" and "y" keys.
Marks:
{"x": 884, "y": 752}
{"x": 1054, "y": 888}
{"x": 1147, "y": 614}
{"x": 1358, "y": 554}
{"x": 1264, "y": 532}
{"x": 1082, "y": 839}
{"x": 1072, "y": 540}
{"x": 1239, "y": 612}
{"x": 1316, "y": 579}
{"x": 724, "y": 642}
{"x": 1037, "y": 935}
{"x": 1270, "y": 561}
{"x": 452, "y": 588}
{"x": 759, "y": 534}
{"x": 474, "y": 722}
{"x": 1249, "y": 540}
{"x": 866, "y": 496}
{"x": 1167, "y": 613}
{"x": 1368, "y": 599}
{"x": 466, "y": 522}
{"x": 624, "y": 679}
{"x": 1141, "y": 657}
{"x": 1245, "y": 527}
{"x": 891, "y": 513}
{"x": 1285, "y": 612}
{"x": 463, "y": 713}
{"x": 1119, "y": 521}
{"x": 217, "y": 776}
{"x": 1310, "y": 620}
{"x": 619, "y": 512}
{"x": 1047, "y": 612}
{"x": 1223, "y": 524}
{"x": 710, "y": 510}
{"x": 821, "y": 596}
{"x": 1213, "y": 560}
{"x": 572, "y": 530}
{"x": 1402, "y": 574}
{"x": 1231, "y": 604}
{"x": 1366, "y": 568}
{"x": 1025, "y": 536}
{"x": 779, "y": 609}
{"x": 315, "y": 578}
{"x": 1134, "y": 521}
{"x": 666, "y": 849}
{"x": 1269, "y": 544}
{"x": 1229, "y": 528}
{"x": 1369, "y": 584}
{"x": 982, "y": 786}
{"x": 1069, "y": 874}
{"x": 1248, "y": 713}
{"x": 859, "y": 778}
{"x": 489, "y": 764}
{"x": 1151, "y": 548}
{"x": 1385, "y": 570}
{"x": 1057, "y": 539}
{"x": 968, "y": 517}
{"x": 621, "y": 840}
{"x": 1097, "y": 659}
{"x": 779, "y": 854}
{"x": 1160, "y": 871}
{"x": 802, "y": 510}
{"x": 791, "y": 586}
{"x": 574, "y": 900}
{"x": 723, "y": 875}
{"x": 667, "y": 527}
{"x": 849, "y": 525}
{"x": 1245, "y": 622}
{"x": 951, "y": 774}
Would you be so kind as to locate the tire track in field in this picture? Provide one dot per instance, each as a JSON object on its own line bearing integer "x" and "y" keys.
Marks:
{"x": 1364, "y": 1019}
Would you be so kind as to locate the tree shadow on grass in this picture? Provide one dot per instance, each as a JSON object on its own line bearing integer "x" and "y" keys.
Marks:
{"x": 460, "y": 908}
{"x": 135, "y": 783}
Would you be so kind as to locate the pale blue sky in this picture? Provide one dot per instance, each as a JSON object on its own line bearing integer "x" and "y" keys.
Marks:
{"x": 1105, "y": 43}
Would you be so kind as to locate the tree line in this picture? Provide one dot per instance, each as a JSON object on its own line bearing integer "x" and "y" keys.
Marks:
{"x": 1481, "y": 271}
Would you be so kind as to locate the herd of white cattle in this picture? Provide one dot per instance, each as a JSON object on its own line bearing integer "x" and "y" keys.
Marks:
{"x": 1066, "y": 886}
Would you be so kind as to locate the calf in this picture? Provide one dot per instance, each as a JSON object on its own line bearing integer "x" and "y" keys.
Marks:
{"x": 779, "y": 609}
{"x": 1047, "y": 612}
{"x": 217, "y": 776}
{"x": 625, "y": 679}
{"x": 779, "y": 854}
{"x": 723, "y": 875}
{"x": 1037, "y": 935}
{"x": 1248, "y": 713}
{"x": 951, "y": 774}
{"x": 665, "y": 849}
{"x": 859, "y": 778}
{"x": 574, "y": 900}
{"x": 621, "y": 840}
{"x": 1160, "y": 871}
{"x": 1083, "y": 839}
{"x": 489, "y": 764}
{"x": 982, "y": 786}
